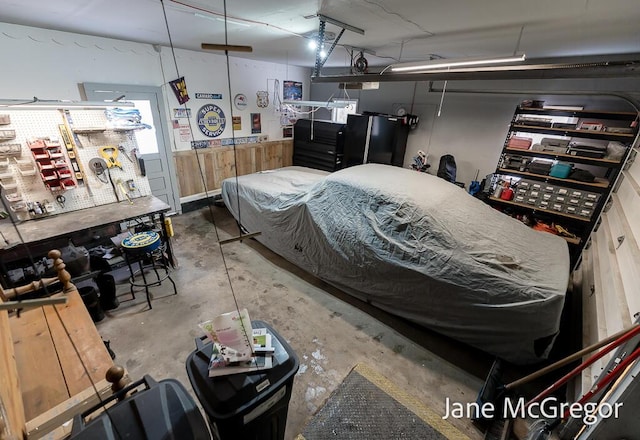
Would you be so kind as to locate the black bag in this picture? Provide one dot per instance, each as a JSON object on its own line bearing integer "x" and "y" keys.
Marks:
{"x": 540, "y": 167}
{"x": 447, "y": 168}
{"x": 582, "y": 175}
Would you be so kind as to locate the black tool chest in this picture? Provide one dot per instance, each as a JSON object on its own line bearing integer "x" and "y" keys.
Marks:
{"x": 591, "y": 147}
{"x": 318, "y": 144}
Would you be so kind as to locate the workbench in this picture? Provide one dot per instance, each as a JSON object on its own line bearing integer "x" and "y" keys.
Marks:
{"x": 50, "y": 375}
{"x": 50, "y": 232}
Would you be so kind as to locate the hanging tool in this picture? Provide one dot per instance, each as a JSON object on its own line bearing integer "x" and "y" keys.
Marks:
{"x": 124, "y": 191}
{"x": 113, "y": 185}
{"x": 71, "y": 147}
{"x": 110, "y": 155}
{"x": 139, "y": 162}
{"x": 124, "y": 152}
{"x": 99, "y": 166}
{"x": 61, "y": 200}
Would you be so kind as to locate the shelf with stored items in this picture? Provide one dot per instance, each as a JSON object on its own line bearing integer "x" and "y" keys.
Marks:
{"x": 560, "y": 166}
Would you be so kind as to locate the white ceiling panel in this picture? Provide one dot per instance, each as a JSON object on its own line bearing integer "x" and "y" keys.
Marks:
{"x": 395, "y": 30}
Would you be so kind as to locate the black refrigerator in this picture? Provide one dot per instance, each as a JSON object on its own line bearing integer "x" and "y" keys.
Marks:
{"x": 375, "y": 138}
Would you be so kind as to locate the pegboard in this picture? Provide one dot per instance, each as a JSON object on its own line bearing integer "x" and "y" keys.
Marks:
{"x": 90, "y": 191}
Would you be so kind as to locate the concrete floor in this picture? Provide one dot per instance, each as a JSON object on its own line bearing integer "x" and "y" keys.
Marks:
{"x": 330, "y": 331}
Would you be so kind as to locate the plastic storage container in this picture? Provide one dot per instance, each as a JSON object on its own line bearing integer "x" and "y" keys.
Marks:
{"x": 163, "y": 410}
{"x": 248, "y": 406}
{"x": 561, "y": 170}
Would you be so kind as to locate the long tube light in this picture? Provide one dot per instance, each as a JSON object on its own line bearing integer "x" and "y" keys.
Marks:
{"x": 46, "y": 104}
{"x": 442, "y": 64}
{"x": 327, "y": 104}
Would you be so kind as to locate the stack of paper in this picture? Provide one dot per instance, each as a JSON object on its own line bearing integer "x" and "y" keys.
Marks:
{"x": 237, "y": 347}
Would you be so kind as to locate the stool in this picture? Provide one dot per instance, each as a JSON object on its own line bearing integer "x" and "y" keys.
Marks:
{"x": 148, "y": 250}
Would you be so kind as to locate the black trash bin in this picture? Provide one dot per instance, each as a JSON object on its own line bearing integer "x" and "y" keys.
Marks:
{"x": 162, "y": 410}
{"x": 91, "y": 301}
{"x": 247, "y": 406}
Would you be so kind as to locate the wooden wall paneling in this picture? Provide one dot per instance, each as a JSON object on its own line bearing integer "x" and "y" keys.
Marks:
{"x": 600, "y": 300}
{"x": 627, "y": 256}
{"x": 615, "y": 308}
{"x": 287, "y": 153}
{"x": 629, "y": 199}
{"x": 207, "y": 159}
{"x": 224, "y": 166}
{"x": 273, "y": 154}
{"x": 591, "y": 333}
{"x": 613, "y": 269}
{"x": 38, "y": 361}
{"x": 219, "y": 163}
{"x": 188, "y": 173}
{"x": 9, "y": 380}
{"x": 245, "y": 158}
{"x": 633, "y": 168}
{"x": 260, "y": 159}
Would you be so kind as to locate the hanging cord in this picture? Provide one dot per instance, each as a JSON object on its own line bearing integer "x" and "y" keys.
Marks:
{"x": 444, "y": 88}
{"x": 202, "y": 176}
{"x": 515, "y": 51}
{"x": 233, "y": 135}
{"x": 277, "y": 102}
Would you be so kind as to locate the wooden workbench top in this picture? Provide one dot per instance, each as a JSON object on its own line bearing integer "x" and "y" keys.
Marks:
{"x": 33, "y": 231}
{"x": 48, "y": 366}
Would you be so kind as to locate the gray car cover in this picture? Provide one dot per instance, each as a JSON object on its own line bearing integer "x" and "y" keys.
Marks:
{"x": 416, "y": 246}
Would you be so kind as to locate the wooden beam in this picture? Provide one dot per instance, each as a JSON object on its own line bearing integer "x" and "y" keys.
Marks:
{"x": 226, "y": 47}
{"x": 54, "y": 419}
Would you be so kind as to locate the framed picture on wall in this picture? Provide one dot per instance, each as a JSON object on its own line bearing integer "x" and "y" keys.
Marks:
{"x": 256, "y": 124}
{"x": 292, "y": 90}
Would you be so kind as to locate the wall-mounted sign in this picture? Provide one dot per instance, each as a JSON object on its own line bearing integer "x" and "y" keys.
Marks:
{"x": 228, "y": 141}
{"x": 262, "y": 99}
{"x": 179, "y": 113}
{"x": 211, "y": 120}
{"x": 237, "y": 122}
{"x": 240, "y": 101}
{"x": 208, "y": 95}
{"x": 182, "y": 129}
{"x": 292, "y": 90}
{"x": 256, "y": 124}
{"x": 179, "y": 87}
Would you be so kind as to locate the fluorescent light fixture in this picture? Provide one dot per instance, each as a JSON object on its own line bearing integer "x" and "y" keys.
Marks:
{"x": 443, "y": 63}
{"x": 327, "y": 104}
{"x": 237, "y": 23}
{"x": 212, "y": 18}
{"x": 40, "y": 104}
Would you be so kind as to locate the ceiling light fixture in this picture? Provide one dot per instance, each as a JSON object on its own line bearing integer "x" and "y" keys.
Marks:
{"x": 237, "y": 23}
{"x": 59, "y": 104}
{"x": 443, "y": 63}
{"x": 327, "y": 104}
{"x": 212, "y": 18}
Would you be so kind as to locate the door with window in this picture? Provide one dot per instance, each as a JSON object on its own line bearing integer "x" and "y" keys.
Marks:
{"x": 153, "y": 143}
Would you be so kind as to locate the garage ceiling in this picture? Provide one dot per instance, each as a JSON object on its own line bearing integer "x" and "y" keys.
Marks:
{"x": 395, "y": 30}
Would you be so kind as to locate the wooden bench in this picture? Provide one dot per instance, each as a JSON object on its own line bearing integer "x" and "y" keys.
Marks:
{"x": 52, "y": 363}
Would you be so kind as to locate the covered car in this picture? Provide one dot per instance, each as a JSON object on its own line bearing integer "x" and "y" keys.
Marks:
{"x": 416, "y": 246}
